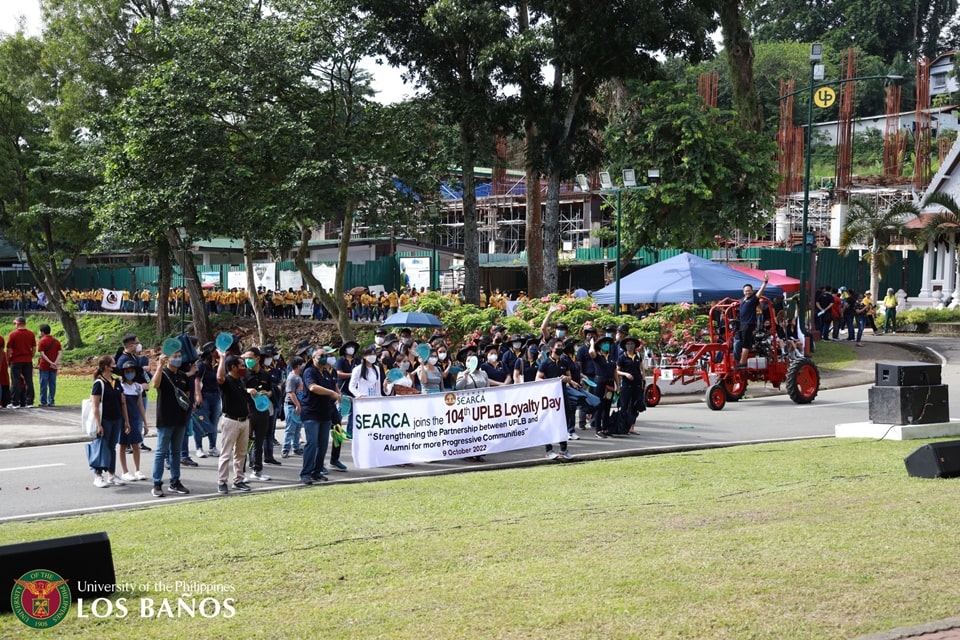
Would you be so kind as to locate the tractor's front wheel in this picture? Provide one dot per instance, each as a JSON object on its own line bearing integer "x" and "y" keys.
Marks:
{"x": 716, "y": 397}
{"x": 803, "y": 380}
{"x": 734, "y": 386}
{"x": 652, "y": 395}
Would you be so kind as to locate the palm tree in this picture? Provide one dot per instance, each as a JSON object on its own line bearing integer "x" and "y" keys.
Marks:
{"x": 875, "y": 228}
{"x": 939, "y": 227}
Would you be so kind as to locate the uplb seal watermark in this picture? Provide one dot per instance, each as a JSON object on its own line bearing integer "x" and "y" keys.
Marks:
{"x": 40, "y": 599}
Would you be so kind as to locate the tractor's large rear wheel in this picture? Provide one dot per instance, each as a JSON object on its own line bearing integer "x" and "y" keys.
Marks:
{"x": 734, "y": 387}
{"x": 803, "y": 380}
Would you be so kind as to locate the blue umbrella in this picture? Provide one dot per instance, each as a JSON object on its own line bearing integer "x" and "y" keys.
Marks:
{"x": 413, "y": 319}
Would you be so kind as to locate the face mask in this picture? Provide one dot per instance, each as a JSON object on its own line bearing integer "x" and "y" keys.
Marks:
{"x": 130, "y": 376}
{"x": 442, "y": 355}
{"x": 250, "y": 362}
{"x": 378, "y": 340}
{"x": 609, "y": 335}
{"x": 310, "y": 352}
{"x": 516, "y": 345}
{"x": 631, "y": 347}
{"x": 472, "y": 363}
{"x": 331, "y": 361}
{"x": 139, "y": 348}
{"x": 491, "y": 358}
{"x": 605, "y": 348}
{"x": 371, "y": 359}
{"x": 268, "y": 361}
{"x": 432, "y": 360}
{"x": 561, "y": 333}
{"x": 176, "y": 362}
{"x": 349, "y": 351}
{"x": 404, "y": 366}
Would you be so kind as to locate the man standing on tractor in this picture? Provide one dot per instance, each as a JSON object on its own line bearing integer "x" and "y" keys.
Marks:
{"x": 748, "y": 321}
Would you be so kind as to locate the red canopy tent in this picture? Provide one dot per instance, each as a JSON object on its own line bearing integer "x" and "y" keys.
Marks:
{"x": 777, "y": 277}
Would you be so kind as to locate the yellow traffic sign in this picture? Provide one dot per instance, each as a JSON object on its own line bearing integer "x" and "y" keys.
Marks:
{"x": 824, "y": 97}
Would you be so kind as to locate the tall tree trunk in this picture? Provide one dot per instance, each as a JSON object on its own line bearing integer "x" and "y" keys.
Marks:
{"x": 198, "y": 307}
{"x": 738, "y": 48}
{"x": 261, "y": 320}
{"x": 336, "y": 304}
{"x": 163, "y": 287}
{"x": 551, "y": 234}
{"x": 51, "y": 282}
{"x": 534, "y": 222}
{"x": 471, "y": 248}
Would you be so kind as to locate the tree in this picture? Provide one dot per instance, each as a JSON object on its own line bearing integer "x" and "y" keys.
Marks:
{"x": 45, "y": 181}
{"x": 942, "y": 227}
{"x": 716, "y": 179}
{"x": 875, "y": 228}
{"x": 558, "y": 113}
{"x": 454, "y": 48}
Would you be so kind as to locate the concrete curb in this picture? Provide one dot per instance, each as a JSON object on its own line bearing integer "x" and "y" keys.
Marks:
{"x": 917, "y": 631}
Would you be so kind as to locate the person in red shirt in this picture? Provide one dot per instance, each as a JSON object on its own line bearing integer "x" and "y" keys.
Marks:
{"x": 48, "y": 364}
{"x": 21, "y": 347}
{"x": 4, "y": 376}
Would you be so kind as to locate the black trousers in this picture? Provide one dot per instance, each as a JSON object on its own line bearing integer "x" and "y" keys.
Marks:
{"x": 259, "y": 426}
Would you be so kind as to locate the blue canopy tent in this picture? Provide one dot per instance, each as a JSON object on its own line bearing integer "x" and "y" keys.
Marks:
{"x": 682, "y": 278}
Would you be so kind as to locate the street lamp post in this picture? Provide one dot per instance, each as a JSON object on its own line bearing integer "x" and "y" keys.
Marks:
{"x": 606, "y": 189}
{"x": 816, "y": 55}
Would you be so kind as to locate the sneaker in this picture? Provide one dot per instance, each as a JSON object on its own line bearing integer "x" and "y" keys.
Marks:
{"x": 601, "y": 435}
{"x": 116, "y": 480}
{"x": 177, "y": 487}
{"x": 306, "y": 481}
{"x": 240, "y": 485}
{"x": 320, "y": 478}
{"x": 284, "y": 454}
{"x": 324, "y": 471}
{"x": 573, "y": 436}
{"x": 298, "y": 452}
{"x": 552, "y": 455}
{"x": 139, "y": 475}
{"x": 258, "y": 475}
{"x": 222, "y": 488}
{"x": 213, "y": 452}
{"x": 339, "y": 466}
{"x": 157, "y": 491}
{"x": 566, "y": 455}
{"x": 129, "y": 449}
{"x": 144, "y": 447}
{"x": 201, "y": 453}
{"x": 190, "y": 462}
{"x": 129, "y": 477}
{"x": 273, "y": 461}
{"x": 98, "y": 481}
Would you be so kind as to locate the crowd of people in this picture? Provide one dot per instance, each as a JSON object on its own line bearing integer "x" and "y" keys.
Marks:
{"x": 236, "y": 396}
{"x": 17, "y": 356}
{"x": 844, "y": 309}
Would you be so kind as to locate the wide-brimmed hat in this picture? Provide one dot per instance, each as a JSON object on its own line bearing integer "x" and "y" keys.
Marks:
{"x": 633, "y": 339}
{"x": 598, "y": 344}
{"x": 491, "y": 347}
{"x": 624, "y": 328}
{"x": 464, "y": 352}
{"x": 380, "y": 331}
{"x": 561, "y": 325}
{"x": 349, "y": 343}
{"x": 208, "y": 347}
{"x": 389, "y": 339}
{"x": 302, "y": 347}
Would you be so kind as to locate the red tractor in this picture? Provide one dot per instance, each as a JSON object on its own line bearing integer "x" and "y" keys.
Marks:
{"x": 714, "y": 362}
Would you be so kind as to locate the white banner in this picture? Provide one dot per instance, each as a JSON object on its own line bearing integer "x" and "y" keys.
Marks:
{"x": 290, "y": 280}
{"x": 442, "y": 426}
{"x": 307, "y": 308}
{"x": 111, "y": 300}
{"x": 237, "y": 280}
{"x": 326, "y": 274}
{"x": 415, "y": 272}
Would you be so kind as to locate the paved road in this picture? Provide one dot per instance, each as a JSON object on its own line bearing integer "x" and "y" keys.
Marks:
{"x": 51, "y": 478}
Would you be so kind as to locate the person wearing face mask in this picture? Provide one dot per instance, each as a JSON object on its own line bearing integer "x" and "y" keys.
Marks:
{"x": 630, "y": 373}
{"x": 258, "y": 383}
{"x": 431, "y": 377}
{"x": 525, "y": 369}
{"x": 497, "y": 373}
{"x": 555, "y": 366}
{"x": 349, "y": 359}
{"x": 171, "y": 420}
{"x": 293, "y": 398}
{"x": 449, "y": 366}
{"x": 130, "y": 352}
{"x": 277, "y": 376}
{"x": 607, "y": 383}
{"x": 207, "y": 414}
{"x": 137, "y": 417}
{"x": 404, "y": 385}
{"x": 367, "y": 377}
{"x": 378, "y": 337}
{"x": 588, "y": 369}
{"x": 320, "y": 384}
{"x": 512, "y": 352}
{"x": 472, "y": 377}
{"x": 388, "y": 355}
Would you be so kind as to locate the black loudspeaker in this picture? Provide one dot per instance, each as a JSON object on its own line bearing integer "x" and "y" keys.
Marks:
{"x": 85, "y": 562}
{"x": 908, "y": 405}
{"x": 935, "y": 460}
{"x": 907, "y": 374}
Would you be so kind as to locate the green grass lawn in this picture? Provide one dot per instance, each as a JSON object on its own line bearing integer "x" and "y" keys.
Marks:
{"x": 814, "y": 539}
